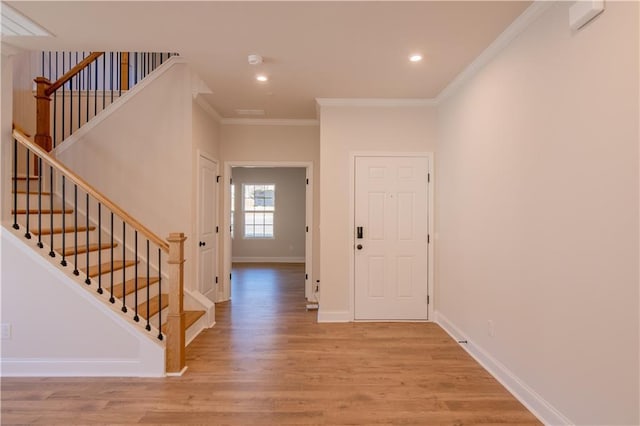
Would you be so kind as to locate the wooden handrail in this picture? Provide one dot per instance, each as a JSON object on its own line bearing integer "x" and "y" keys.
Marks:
{"x": 24, "y": 140}
{"x": 72, "y": 72}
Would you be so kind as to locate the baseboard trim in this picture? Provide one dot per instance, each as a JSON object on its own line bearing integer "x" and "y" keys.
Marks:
{"x": 334, "y": 316}
{"x": 535, "y": 403}
{"x": 247, "y": 259}
{"x": 66, "y": 367}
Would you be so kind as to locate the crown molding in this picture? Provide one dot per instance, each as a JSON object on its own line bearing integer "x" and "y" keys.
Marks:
{"x": 208, "y": 108}
{"x": 516, "y": 28}
{"x": 15, "y": 24}
{"x": 375, "y": 102}
{"x": 271, "y": 121}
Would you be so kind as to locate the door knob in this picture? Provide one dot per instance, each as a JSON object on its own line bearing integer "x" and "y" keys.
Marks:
{"x": 359, "y": 246}
{"x": 202, "y": 243}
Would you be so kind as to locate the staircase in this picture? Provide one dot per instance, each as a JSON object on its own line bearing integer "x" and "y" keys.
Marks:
{"x": 95, "y": 242}
{"x": 88, "y": 252}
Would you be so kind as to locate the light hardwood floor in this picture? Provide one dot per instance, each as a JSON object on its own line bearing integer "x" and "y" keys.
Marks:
{"x": 268, "y": 362}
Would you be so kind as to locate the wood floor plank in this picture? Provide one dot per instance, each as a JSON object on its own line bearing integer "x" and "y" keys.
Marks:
{"x": 268, "y": 362}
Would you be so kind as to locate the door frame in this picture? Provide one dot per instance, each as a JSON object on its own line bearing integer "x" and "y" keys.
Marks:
{"x": 225, "y": 294}
{"x": 209, "y": 157}
{"x": 430, "y": 184}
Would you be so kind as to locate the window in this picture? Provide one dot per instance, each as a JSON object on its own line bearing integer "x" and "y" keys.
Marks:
{"x": 258, "y": 206}
{"x": 233, "y": 208}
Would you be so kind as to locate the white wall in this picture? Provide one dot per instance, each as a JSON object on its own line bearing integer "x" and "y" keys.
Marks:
{"x": 289, "y": 216}
{"x": 276, "y": 143}
{"x": 345, "y": 130}
{"x": 6, "y": 119}
{"x": 206, "y": 140}
{"x": 538, "y": 212}
{"x": 58, "y": 328}
{"x": 139, "y": 153}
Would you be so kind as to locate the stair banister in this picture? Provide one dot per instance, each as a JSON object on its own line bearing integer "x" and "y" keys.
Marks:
{"x": 173, "y": 246}
{"x": 44, "y": 90}
{"x": 131, "y": 221}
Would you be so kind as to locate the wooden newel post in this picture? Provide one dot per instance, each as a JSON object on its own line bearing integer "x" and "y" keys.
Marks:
{"x": 175, "y": 319}
{"x": 43, "y": 114}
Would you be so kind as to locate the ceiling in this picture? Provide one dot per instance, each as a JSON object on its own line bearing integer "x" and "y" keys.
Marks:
{"x": 321, "y": 49}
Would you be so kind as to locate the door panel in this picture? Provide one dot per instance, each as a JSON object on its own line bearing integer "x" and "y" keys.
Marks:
{"x": 391, "y": 266}
{"x": 207, "y": 227}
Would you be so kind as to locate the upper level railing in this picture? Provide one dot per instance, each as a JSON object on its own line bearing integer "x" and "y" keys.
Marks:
{"x": 128, "y": 256}
{"x": 81, "y": 84}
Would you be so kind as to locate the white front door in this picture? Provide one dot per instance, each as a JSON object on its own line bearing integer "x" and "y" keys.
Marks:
{"x": 391, "y": 238}
{"x": 207, "y": 256}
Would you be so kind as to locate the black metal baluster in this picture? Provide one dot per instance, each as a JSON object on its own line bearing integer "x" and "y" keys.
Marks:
{"x": 51, "y": 252}
{"x": 136, "y": 318}
{"x": 49, "y": 66}
{"x": 77, "y": 80}
{"x": 39, "y": 203}
{"x": 99, "y": 245}
{"x": 78, "y": 77}
{"x": 160, "y": 294}
{"x": 88, "y": 76}
{"x": 135, "y": 68}
{"x": 27, "y": 235}
{"x": 70, "y": 101}
{"x": 62, "y": 136}
{"x": 111, "y": 299}
{"x": 64, "y": 222}
{"x": 55, "y": 118}
{"x": 104, "y": 80}
{"x": 75, "y": 230}
{"x": 124, "y": 270}
{"x": 86, "y": 243}
{"x": 111, "y": 73}
{"x": 161, "y": 58}
{"x": 95, "y": 89}
{"x": 119, "y": 73}
{"x": 15, "y": 185}
{"x": 148, "y": 326}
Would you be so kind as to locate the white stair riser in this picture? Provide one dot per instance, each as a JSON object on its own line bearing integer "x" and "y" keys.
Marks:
{"x": 45, "y": 219}
{"x": 142, "y": 295}
{"x": 154, "y": 319}
{"x": 45, "y": 201}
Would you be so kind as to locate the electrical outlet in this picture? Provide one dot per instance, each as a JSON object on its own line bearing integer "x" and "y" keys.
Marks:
{"x": 5, "y": 331}
{"x": 491, "y": 329}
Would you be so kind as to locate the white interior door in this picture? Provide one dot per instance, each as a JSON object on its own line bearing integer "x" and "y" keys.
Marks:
{"x": 391, "y": 207}
{"x": 207, "y": 253}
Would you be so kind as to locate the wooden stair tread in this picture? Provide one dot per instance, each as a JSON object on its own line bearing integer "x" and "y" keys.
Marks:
{"x": 32, "y": 191}
{"x": 154, "y": 305}
{"x": 105, "y": 268}
{"x": 43, "y": 211}
{"x": 59, "y": 230}
{"x": 68, "y": 251}
{"x": 190, "y": 317}
{"x": 31, "y": 177}
{"x": 130, "y": 286}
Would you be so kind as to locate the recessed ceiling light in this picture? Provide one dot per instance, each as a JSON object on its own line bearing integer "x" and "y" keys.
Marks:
{"x": 416, "y": 57}
{"x": 262, "y": 78}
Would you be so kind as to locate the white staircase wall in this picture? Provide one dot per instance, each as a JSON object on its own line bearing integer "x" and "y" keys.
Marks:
{"x": 58, "y": 328}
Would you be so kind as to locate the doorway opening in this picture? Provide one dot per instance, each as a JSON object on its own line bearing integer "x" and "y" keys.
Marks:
{"x": 268, "y": 219}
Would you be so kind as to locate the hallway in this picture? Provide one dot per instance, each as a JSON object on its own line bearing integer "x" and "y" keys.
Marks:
{"x": 268, "y": 362}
